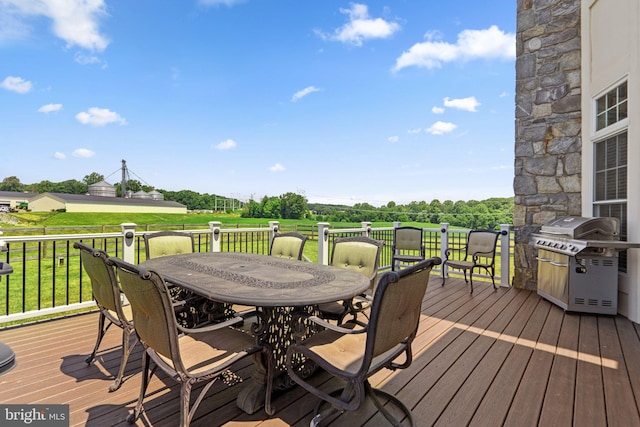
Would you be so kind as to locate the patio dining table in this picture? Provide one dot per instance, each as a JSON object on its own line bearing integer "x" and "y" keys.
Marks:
{"x": 277, "y": 287}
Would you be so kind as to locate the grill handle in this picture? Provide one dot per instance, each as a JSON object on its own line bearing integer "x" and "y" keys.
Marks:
{"x": 554, "y": 263}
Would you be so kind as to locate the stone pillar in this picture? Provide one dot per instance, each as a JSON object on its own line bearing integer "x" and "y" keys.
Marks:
{"x": 548, "y": 144}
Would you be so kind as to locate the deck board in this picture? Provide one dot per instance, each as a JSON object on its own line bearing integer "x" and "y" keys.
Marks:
{"x": 504, "y": 357}
{"x": 589, "y": 402}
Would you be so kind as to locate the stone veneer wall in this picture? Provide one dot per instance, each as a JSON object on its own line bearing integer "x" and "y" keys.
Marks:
{"x": 548, "y": 144}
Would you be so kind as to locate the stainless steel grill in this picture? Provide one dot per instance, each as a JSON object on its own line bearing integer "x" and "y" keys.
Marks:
{"x": 578, "y": 263}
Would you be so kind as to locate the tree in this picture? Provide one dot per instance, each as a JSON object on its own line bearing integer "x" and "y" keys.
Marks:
{"x": 46, "y": 187}
{"x": 11, "y": 183}
{"x": 93, "y": 178}
{"x": 292, "y": 206}
{"x": 252, "y": 209}
{"x": 71, "y": 186}
{"x": 271, "y": 207}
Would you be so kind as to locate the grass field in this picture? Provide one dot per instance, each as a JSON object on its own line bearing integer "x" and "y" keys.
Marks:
{"x": 80, "y": 219}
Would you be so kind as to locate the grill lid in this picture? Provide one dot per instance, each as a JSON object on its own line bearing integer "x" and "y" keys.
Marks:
{"x": 577, "y": 227}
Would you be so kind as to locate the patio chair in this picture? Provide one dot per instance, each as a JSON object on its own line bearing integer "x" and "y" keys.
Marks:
{"x": 191, "y": 309}
{"x": 478, "y": 253}
{"x": 288, "y": 245}
{"x": 188, "y": 355}
{"x": 163, "y": 243}
{"x": 407, "y": 246}
{"x": 357, "y": 253}
{"x": 353, "y": 352}
{"x": 109, "y": 298}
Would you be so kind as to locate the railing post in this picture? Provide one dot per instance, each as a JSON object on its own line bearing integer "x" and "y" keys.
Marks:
{"x": 505, "y": 254}
{"x": 274, "y": 228}
{"x": 216, "y": 235}
{"x": 323, "y": 243}
{"x": 444, "y": 244}
{"x": 366, "y": 228}
{"x": 128, "y": 242}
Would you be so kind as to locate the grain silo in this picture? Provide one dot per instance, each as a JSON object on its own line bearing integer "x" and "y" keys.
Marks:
{"x": 156, "y": 195}
{"x": 141, "y": 195}
{"x": 103, "y": 189}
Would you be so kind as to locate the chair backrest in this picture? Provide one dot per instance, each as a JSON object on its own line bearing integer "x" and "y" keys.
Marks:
{"x": 407, "y": 238}
{"x": 288, "y": 245}
{"x": 163, "y": 243}
{"x": 103, "y": 278}
{"x": 153, "y": 312}
{"x": 396, "y": 308}
{"x": 482, "y": 243}
{"x": 357, "y": 253}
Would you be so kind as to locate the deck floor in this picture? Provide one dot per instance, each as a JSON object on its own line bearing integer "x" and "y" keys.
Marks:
{"x": 493, "y": 358}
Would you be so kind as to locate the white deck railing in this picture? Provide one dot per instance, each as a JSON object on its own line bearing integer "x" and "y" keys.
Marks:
{"x": 48, "y": 278}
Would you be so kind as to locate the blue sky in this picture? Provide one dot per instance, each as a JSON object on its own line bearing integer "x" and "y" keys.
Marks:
{"x": 343, "y": 102}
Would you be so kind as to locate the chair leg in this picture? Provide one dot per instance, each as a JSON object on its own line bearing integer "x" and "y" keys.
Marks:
{"x": 146, "y": 376}
{"x": 328, "y": 415}
{"x": 101, "y": 331}
{"x": 185, "y": 396}
{"x": 127, "y": 348}
{"x": 374, "y": 393}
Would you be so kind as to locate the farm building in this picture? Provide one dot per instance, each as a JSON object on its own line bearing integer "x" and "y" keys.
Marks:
{"x": 47, "y": 202}
{"x": 15, "y": 199}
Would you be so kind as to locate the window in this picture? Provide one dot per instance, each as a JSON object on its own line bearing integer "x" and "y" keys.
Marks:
{"x": 610, "y": 162}
{"x": 612, "y": 107}
{"x": 611, "y": 168}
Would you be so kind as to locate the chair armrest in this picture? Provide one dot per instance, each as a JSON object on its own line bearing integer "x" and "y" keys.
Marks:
{"x": 484, "y": 254}
{"x": 213, "y": 327}
{"x": 449, "y": 251}
{"x": 336, "y": 328}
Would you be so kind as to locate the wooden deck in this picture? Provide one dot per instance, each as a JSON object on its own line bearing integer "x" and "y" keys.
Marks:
{"x": 494, "y": 358}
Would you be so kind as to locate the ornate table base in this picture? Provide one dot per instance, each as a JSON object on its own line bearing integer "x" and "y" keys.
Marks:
{"x": 275, "y": 329}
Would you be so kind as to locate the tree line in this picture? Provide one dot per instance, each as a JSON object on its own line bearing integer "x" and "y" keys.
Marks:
{"x": 472, "y": 214}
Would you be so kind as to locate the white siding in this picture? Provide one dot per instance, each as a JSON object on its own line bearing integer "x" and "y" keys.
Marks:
{"x": 610, "y": 55}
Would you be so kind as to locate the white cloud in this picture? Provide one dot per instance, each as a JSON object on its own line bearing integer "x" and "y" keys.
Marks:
{"x": 276, "y": 168}
{"x": 414, "y": 131}
{"x": 467, "y": 104}
{"x": 226, "y": 145}
{"x": 74, "y": 21}
{"x": 99, "y": 117}
{"x": 304, "y": 92}
{"x": 504, "y": 94}
{"x": 394, "y": 139}
{"x": 437, "y": 110}
{"x": 16, "y": 84}
{"x": 361, "y": 27}
{"x": 58, "y": 155}
{"x": 49, "y": 108}
{"x": 84, "y": 153}
{"x": 440, "y": 128}
{"x": 82, "y": 59}
{"x": 491, "y": 43}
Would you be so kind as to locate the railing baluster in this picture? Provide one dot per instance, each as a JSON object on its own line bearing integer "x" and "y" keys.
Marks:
{"x": 25, "y": 296}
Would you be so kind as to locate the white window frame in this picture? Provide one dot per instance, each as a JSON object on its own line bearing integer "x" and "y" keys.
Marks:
{"x": 598, "y": 136}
